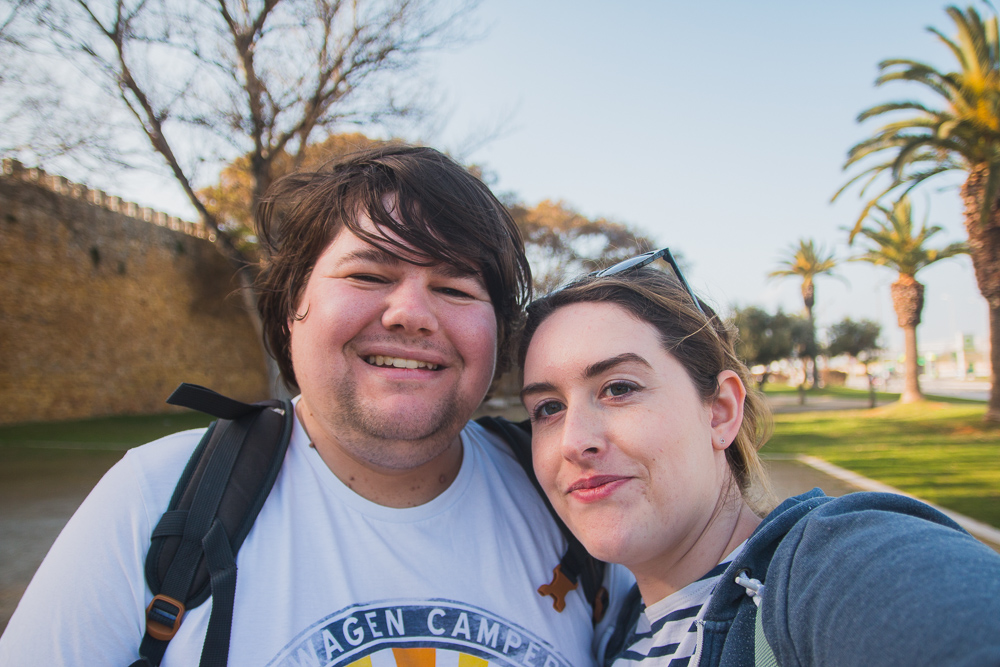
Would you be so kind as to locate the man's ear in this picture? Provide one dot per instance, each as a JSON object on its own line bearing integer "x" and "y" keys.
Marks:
{"x": 727, "y": 409}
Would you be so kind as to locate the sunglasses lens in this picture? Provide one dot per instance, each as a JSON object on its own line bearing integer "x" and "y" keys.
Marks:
{"x": 638, "y": 262}
{"x": 630, "y": 263}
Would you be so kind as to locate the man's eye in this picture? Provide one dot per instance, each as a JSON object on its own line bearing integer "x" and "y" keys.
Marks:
{"x": 456, "y": 293}
{"x": 547, "y": 409}
{"x": 368, "y": 278}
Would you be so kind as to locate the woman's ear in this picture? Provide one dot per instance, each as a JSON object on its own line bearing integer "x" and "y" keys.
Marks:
{"x": 727, "y": 409}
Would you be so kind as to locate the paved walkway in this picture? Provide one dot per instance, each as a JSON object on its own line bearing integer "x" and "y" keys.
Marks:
{"x": 790, "y": 403}
{"x": 797, "y": 474}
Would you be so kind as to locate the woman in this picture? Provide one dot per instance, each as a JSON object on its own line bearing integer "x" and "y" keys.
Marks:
{"x": 645, "y": 439}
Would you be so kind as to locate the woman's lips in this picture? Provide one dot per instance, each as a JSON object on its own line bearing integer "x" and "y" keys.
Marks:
{"x": 597, "y": 487}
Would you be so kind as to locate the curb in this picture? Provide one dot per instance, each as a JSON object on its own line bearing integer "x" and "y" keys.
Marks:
{"x": 978, "y": 529}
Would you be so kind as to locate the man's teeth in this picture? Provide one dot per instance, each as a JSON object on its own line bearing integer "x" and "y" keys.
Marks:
{"x": 379, "y": 360}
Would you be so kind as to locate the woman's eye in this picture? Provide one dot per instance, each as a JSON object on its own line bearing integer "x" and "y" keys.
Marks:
{"x": 547, "y": 409}
{"x": 620, "y": 388}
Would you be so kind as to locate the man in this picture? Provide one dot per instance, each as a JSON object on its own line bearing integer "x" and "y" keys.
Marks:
{"x": 397, "y": 533}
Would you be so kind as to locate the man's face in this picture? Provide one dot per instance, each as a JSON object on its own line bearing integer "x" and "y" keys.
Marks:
{"x": 391, "y": 358}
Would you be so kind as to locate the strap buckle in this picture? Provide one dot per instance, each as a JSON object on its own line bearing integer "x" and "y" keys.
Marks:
{"x": 163, "y": 617}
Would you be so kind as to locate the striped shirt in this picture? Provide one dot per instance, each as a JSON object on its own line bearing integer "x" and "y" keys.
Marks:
{"x": 666, "y": 634}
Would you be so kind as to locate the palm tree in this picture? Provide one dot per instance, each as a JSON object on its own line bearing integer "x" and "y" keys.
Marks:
{"x": 807, "y": 261}
{"x": 962, "y": 135}
{"x": 894, "y": 244}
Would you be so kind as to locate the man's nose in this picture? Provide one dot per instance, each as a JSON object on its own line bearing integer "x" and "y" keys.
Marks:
{"x": 410, "y": 307}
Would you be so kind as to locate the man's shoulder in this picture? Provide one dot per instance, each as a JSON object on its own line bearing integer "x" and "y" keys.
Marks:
{"x": 498, "y": 431}
{"x": 501, "y": 439}
{"x": 168, "y": 449}
{"x": 156, "y": 466}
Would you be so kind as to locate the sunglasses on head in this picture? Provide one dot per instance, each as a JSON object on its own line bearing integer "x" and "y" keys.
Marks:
{"x": 637, "y": 262}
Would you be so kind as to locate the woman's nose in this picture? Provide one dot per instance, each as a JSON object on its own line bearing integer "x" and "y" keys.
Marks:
{"x": 583, "y": 433}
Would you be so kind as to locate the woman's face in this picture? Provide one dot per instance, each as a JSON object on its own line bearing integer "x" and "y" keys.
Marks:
{"x": 624, "y": 447}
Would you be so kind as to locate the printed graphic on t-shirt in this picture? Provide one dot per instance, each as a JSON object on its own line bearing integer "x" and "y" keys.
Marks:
{"x": 434, "y": 633}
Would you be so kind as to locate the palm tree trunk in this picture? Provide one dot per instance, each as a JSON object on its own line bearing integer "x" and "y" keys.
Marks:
{"x": 993, "y": 406}
{"x": 871, "y": 387}
{"x": 908, "y": 302}
{"x": 911, "y": 383}
{"x": 984, "y": 248}
{"x": 809, "y": 301}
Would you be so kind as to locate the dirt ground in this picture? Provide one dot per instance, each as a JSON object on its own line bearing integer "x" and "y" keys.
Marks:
{"x": 39, "y": 490}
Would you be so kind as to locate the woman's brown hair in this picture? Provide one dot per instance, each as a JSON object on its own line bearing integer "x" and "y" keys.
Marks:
{"x": 702, "y": 342}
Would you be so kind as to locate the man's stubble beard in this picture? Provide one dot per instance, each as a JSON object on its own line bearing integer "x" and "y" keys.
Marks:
{"x": 398, "y": 441}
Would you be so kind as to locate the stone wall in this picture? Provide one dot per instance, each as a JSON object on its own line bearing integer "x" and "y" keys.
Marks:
{"x": 105, "y": 307}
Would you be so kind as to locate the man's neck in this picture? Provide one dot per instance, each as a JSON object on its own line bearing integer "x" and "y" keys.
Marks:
{"x": 390, "y": 487}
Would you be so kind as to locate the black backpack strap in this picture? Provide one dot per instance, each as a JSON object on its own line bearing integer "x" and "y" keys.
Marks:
{"x": 577, "y": 567}
{"x": 217, "y": 499}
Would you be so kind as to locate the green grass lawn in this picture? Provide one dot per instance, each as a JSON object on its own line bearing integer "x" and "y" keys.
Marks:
{"x": 119, "y": 433}
{"x": 940, "y": 450}
{"x": 74, "y": 453}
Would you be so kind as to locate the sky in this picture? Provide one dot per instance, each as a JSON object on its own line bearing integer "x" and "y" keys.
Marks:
{"x": 718, "y": 129}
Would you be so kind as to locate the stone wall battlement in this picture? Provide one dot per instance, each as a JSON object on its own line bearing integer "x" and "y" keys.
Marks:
{"x": 106, "y": 306}
{"x": 60, "y": 185}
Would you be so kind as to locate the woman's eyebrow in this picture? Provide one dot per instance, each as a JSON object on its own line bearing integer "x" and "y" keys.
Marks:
{"x": 536, "y": 388}
{"x": 592, "y": 370}
{"x": 604, "y": 365}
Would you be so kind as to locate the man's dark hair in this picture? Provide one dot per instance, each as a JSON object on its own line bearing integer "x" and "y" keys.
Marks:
{"x": 445, "y": 213}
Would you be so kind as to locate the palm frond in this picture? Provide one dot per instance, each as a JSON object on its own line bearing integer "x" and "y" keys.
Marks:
{"x": 872, "y": 172}
{"x": 866, "y": 210}
{"x": 943, "y": 84}
{"x": 956, "y": 50}
{"x": 894, "y": 242}
{"x": 906, "y": 105}
{"x": 963, "y": 133}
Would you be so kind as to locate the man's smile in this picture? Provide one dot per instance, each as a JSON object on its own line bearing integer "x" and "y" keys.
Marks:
{"x": 398, "y": 362}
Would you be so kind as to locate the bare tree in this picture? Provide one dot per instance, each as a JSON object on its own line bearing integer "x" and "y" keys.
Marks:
{"x": 208, "y": 81}
{"x": 562, "y": 244}
{"x": 9, "y": 14}
{"x": 40, "y": 120}
{"x": 230, "y": 200}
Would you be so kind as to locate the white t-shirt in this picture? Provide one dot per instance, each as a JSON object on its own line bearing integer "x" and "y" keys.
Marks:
{"x": 325, "y": 577}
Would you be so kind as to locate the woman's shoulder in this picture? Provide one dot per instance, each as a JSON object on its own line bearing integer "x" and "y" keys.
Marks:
{"x": 861, "y": 512}
{"x": 852, "y": 562}
{"x": 857, "y": 511}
